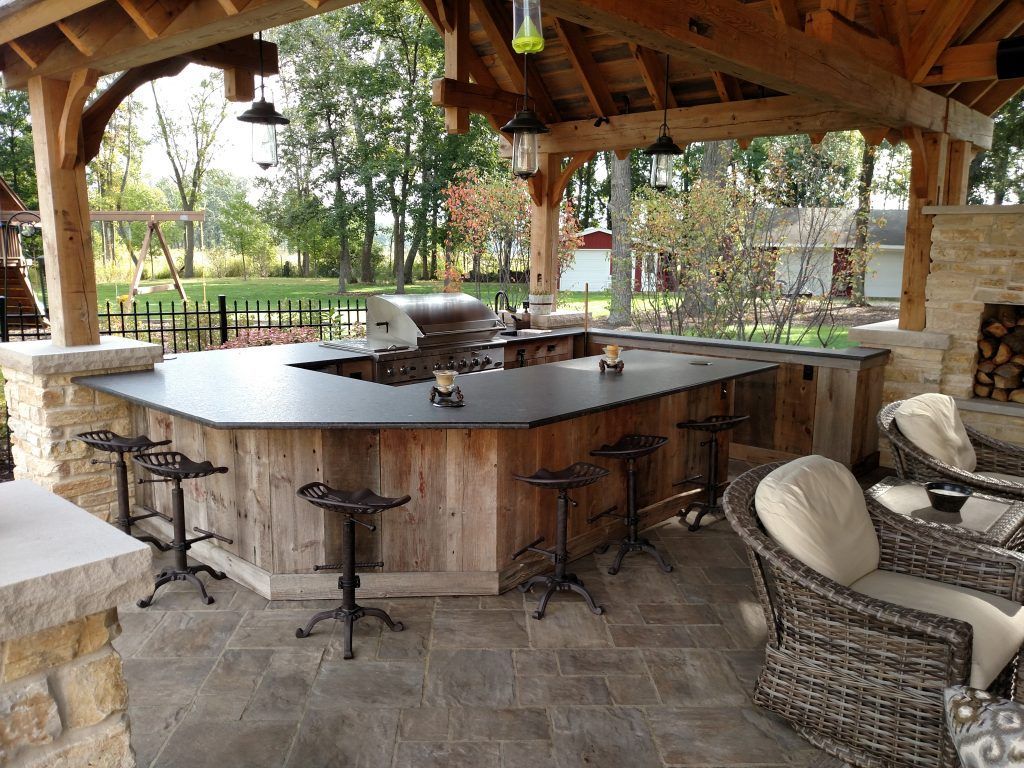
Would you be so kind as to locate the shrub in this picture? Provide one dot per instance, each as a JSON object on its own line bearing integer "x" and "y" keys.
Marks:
{"x": 264, "y": 337}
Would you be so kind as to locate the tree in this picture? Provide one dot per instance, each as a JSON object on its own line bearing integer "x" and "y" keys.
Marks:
{"x": 17, "y": 159}
{"x": 998, "y": 174}
{"x": 247, "y": 234}
{"x": 862, "y": 222}
{"x": 189, "y": 142}
{"x": 620, "y": 312}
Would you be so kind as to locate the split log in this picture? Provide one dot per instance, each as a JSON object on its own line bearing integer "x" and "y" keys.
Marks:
{"x": 1002, "y": 355}
{"x": 983, "y": 378}
{"x": 982, "y": 390}
{"x": 1017, "y": 396}
{"x": 1002, "y": 395}
{"x": 1015, "y": 340}
{"x": 996, "y": 328}
{"x": 1018, "y": 359}
{"x": 1007, "y": 315}
{"x": 1006, "y": 382}
{"x": 986, "y": 366}
{"x": 987, "y": 349}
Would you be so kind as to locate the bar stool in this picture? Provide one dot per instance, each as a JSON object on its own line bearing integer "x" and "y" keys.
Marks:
{"x": 349, "y": 504}
{"x": 629, "y": 448}
{"x": 575, "y": 476}
{"x": 111, "y": 442}
{"x": 173, "y": 467}
{"x": 713, "y": 425}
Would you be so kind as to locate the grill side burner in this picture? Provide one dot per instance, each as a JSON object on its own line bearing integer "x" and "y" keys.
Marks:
{"x": 409, "y": 337}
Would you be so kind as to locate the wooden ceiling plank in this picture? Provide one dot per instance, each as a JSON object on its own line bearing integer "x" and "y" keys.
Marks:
{"x": 998, "y": 95}
{"x": 595, "y": 86}
{"x": 91, "y": 29}
{"x": 495, "y": 22}
{"x": 98, "y": 113}
{"x": 233, "y": 7}
{"x": 1004, "y": 23}
{"x": 971, "y": 93}
{"x": 750, "y": 45}
{"x": 35, "y": 47}
{"x": 201, "y": 24}
{"x": 727, "y": 86}
{"x": 981, "y": 14}
{"x": 152, "y": 16}
{"x": 830, "y": 27}
{"x": 964, "y": 64}
{"x": 38, "y": 15}
{"x": 933, "y": 34}
{"x": 652, "y": 70}
{"x": 775, "y": 116}
{"x": 786, "y": 12}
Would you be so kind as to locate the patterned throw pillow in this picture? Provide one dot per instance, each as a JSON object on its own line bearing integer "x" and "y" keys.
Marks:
{"x": 988, "y": 732}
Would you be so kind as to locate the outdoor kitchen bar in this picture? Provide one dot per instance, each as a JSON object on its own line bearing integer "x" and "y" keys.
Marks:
{"x": 279, "y": 408}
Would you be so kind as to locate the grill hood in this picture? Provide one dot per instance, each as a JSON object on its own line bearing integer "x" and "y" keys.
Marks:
{"x": 428, "y": 320}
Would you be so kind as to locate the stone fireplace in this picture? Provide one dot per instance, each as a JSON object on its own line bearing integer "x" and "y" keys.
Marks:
{"x": 977, "y": 275}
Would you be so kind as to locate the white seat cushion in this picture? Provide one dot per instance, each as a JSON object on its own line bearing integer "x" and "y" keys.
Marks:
{"x": 814, "y": 508}
{"x": 932, "y": 423}
{"x": 998, "y": 623}
{"x": 1000, "y": 476}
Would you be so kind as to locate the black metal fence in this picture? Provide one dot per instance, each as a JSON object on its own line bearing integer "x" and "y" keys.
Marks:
{"x": 195, "y": 326}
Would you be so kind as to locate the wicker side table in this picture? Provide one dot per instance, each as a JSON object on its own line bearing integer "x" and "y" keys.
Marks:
{"x": 984, "y": 518}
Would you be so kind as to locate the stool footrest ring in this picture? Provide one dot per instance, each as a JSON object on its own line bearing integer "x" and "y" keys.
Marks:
{"x": 607, "y": 513}
{"x": 531, "y": 547}
{"x": 687, "y": 480}
{"x": 210, "y": 535}
{"x": 370, "y": 565}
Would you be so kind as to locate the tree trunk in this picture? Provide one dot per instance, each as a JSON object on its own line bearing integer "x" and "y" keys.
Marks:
{"x": 369, "y": 230}
{"x": 863, "y": 222}
{"x": 344, "y": 262}
{"x": 414, "y": 249}
{"x": 398, "y": 251}
{"x": 714, "y": 164}
{"x": 620, "y": 311}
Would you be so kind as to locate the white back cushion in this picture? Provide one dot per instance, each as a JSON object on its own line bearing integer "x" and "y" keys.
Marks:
{"x": 932, "y": 423}
{"x": 814, "y": 509}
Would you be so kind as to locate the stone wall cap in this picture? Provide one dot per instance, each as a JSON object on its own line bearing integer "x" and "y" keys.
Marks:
{"x": 888, "y": 334}
{"x": 42, "y": 357}
{"x": 59, "y": 563}
{"x": 981, "y": 210}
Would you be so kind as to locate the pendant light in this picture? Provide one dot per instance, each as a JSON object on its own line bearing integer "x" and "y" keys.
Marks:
{"x": 527, "y": 37}
{"x": 663, "y": 150}
{"x": 264, "y": 119}
{"x": 525, "y": 126}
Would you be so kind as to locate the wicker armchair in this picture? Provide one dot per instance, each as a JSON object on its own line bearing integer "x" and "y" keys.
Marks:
{"x": 993, "y": 456}
{"x": 861, "y": 678}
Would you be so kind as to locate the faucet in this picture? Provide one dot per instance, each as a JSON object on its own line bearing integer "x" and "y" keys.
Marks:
{"x": 497, "y": 296}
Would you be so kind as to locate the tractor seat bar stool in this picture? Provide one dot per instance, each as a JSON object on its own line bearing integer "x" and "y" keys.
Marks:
{"x": 574, "y": 476}
{"x": 713, "y": 425}
{"x": 629, "y": 448}
{"x": 349, "y": 504}
{"x": 173, "y": 467}
{"x": 111, "y": 442}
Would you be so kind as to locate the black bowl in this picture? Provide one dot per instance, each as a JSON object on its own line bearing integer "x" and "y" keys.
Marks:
{"x": 947, "y": 497}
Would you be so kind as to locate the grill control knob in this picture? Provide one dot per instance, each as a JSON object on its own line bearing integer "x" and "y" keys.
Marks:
{"x": 437, "y": 366}
{"x": 463, "y": 363}
{"x": 389, "y": 371}
{"x": 474, "y": 362}
{"x": 487, "y": 361}
{"x": 403, "y": 370}
{"x": 451, "y": 363}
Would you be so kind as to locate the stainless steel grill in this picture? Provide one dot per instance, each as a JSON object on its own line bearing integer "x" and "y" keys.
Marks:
{"x": 409, "y": 337}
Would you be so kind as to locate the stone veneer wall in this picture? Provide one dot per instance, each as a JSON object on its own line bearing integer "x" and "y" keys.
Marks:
{"x": 63, "y": 697}
{"x": 46, "y": 411}
{"x": 977, "y": 258}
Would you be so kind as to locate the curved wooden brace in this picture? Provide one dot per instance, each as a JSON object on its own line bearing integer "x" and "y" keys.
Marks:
{"x": 82, "y": 83}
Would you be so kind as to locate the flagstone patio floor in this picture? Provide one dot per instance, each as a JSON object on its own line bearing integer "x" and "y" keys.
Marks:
{"x": 662, "y": 679}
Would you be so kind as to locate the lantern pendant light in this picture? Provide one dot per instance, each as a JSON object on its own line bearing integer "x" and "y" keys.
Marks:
{"x": 527, "y": 36}
{"x": 264, "y": 119}
{"x": 663, "y": 151}
{"x": 525, "y": 126}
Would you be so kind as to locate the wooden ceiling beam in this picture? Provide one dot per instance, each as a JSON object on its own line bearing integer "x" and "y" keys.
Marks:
{"x": 233, "y": 7}
{"x": 201, "y": 24}
{"x": 933, "y": 34}
{"x": 153, "y": 16}
{"x": 486, "y": 100}
{"x": 91, "y": 29}
{"x": 786, "y": 12}
{"x": 495, "y": 21}
{"x": 38, "y": 15}
{"x": 243, "y": 53}
{"x": 728, "y": 37}
{"x": 652, "y": 69}
{"x": 830, "y": 27}
{"x": 456, "y": 58}
{"x": 775, "y": 116}
{"x": 595, "y": 86}
{"x": 964, "y": 64}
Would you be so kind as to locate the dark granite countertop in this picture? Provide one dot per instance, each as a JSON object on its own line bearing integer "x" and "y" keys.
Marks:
{"x": 261, "y": 388}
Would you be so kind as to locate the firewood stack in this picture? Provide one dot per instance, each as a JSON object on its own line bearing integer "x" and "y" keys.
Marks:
{"x": 1001, "y": 355}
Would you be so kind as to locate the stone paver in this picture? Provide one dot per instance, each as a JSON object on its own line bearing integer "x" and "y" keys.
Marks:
{"x": 662, "y": 679}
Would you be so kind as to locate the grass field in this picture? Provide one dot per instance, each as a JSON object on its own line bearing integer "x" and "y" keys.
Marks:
{"x": 283, "y": 289}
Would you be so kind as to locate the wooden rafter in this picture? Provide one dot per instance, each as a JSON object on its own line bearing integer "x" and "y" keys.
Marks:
{"x": 91, "y": 29}
{"x": 582, "y": 60}
{"x": 746, "y": 43}
{"x": 727, "y": 87}
{"x": 495, "y": 21}
{"x": 933, "y": 34}
{"x": 652, "y": 69}
{"x": 786, "y": 12}
{"x": 835, "y": 29}
{"x": 35, "y": 47}
{"x": 153, "y": 16}
{"x": 233, "y": 7}
{"x": 457, "y": 94}
{"x": 997, "y": 95}
{"x": 201, "y": 24}
{"x": 964, "y": 64}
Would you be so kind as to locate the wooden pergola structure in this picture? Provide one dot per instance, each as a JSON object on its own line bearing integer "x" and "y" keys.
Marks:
{"x": 920, "y": 71}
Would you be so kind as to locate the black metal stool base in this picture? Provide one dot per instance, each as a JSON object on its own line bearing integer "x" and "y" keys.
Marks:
{"x": 551, "y": 583}
{"x": 167, "y": 575}
{"x": 633, "y": 544}
{"x": 705, "y": 509}
{"x": 349, "y": 616}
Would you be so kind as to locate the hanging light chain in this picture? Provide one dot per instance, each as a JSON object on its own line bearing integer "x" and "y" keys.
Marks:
{"x": 664, "y": 102}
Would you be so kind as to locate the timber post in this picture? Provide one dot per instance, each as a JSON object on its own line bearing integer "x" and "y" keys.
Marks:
{"x": 56, "y": 109}
{"x": 544, "y": 236}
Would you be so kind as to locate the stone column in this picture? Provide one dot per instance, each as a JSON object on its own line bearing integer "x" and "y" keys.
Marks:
{"x": 47, "y": 409}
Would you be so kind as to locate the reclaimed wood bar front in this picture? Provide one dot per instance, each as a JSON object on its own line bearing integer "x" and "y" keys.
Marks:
{"x": 277, "y": 426}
